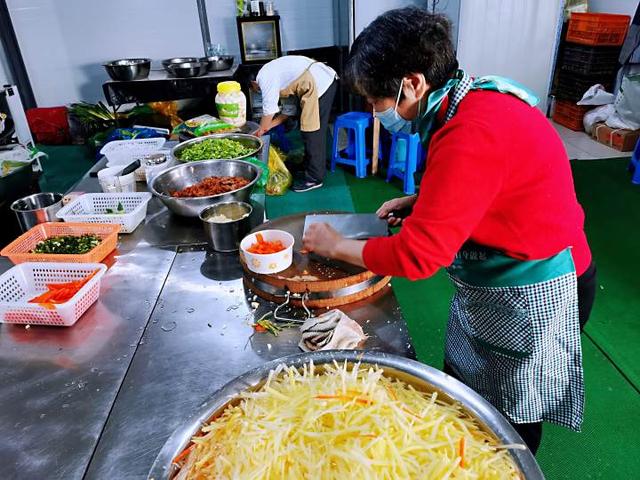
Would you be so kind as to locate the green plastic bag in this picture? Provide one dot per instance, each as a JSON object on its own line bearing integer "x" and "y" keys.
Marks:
{"x": 280, "y": 178}
{"x": 262, "y": 181}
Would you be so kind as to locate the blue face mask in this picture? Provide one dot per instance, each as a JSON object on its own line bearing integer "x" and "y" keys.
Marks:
{"x": 391, "y": 119}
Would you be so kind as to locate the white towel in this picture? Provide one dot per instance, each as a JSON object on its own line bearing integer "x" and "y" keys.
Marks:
{"x": 331, "y": 330}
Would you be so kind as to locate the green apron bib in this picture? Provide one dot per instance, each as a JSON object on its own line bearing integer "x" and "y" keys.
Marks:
{"x": 513, "y": 333}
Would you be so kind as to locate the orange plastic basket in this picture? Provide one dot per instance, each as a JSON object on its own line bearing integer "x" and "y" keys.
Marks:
{"x": 19, "y": 250}
{"x": 569, "y": 115}
{"x": 598, "y": 28}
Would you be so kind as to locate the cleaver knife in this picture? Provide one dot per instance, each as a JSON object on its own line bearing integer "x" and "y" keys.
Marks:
{"x": 356, "y": 226}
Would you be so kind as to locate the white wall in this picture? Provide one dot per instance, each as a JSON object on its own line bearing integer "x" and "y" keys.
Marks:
{"x": 65, "y": 42}
{"x": 513, "y": 38}
{"x": 624, "y": 7}
{"x": 367, "y": 10}
{"x": 5, "y": 77}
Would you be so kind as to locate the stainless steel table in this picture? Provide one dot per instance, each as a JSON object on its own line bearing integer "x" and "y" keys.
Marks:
{"x": 172, "y": 325}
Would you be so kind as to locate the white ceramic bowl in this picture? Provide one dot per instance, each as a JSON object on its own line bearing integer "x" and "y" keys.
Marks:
{"x": 270, "y": 262}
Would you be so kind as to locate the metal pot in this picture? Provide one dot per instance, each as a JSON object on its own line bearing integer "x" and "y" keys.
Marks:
{"x": 187, "y": 69}
{"x": 128, "y": 69}
{"x": 171, "y": 61}
{"x": 226, "y": 236}
{"x": 37, "y": 208}
{"x": 417, "y": 374}
{"x": 182, "y": 176}
{"x": 250, "y": 141}
{"x": 218, "y": 63}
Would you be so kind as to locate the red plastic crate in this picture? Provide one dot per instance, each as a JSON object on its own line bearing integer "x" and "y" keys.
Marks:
{"x": 569, "y": 115}
{"x": 598, "y": 28}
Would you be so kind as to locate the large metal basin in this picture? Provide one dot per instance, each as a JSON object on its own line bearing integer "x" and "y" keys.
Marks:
{"x": 182, "y": 176}
{"x": 250, "y": 141}
{"x": 417, "y": 374}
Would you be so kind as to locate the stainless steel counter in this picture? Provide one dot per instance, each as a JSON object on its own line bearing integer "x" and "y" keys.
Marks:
{"x": 172, "y": 325}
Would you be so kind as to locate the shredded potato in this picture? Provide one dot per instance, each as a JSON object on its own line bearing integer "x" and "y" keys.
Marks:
{"x": 341, "y": 423}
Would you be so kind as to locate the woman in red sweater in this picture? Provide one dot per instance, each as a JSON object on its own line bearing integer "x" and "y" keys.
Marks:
{"x": 497, "y": 208}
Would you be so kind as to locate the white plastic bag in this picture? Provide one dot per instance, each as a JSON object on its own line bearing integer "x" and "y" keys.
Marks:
{"x": 597, "y": 95}
{"x": 627, "y": 105}
{"x": 599, "y": 114}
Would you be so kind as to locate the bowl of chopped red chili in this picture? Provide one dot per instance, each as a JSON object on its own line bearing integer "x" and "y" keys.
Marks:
{"x": 190, "y": 188}
{"x": 268, "y": 251}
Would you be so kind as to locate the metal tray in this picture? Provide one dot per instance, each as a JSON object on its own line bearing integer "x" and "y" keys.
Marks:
{"x": 421, "y": 376}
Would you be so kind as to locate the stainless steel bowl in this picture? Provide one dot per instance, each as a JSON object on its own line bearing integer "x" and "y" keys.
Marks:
{"x": 37, "y": 208}
{"x": 250, "y": 141}
{"x": 182, "y": 176}
{"x": 170, "y": 61}
{"x": 128, "y": 69}
{"x": 218, "y": 63}
{"x": 226, "y": 236}
{"x": 417, "y": 374}
{"x": 187, "y": 69}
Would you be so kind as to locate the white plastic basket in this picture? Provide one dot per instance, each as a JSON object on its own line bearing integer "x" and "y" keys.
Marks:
{"x": 91, "y": 208}
{"x": 28, "y": 280}
{"x": 123, "y": 152}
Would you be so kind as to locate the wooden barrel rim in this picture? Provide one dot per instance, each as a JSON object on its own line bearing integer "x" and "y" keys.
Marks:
{"x": 300, "y": 286}
{"x": 322, "y": 303}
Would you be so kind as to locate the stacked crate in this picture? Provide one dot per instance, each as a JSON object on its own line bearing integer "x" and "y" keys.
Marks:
{"x": 589, "y": 56}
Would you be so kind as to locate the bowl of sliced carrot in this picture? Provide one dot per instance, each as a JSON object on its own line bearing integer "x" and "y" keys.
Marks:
{"x": 267, "y": 251}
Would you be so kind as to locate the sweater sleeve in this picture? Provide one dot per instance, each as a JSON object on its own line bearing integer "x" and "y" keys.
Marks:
{"x": 465, "y": 171}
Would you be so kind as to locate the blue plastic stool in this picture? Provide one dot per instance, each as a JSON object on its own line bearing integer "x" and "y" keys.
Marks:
{"x": 356, "y": 124}
{"x": 634, "y": 164}
{"x": 405, "y": 157}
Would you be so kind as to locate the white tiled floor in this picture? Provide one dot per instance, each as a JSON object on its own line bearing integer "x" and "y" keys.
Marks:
{"x": 581, "y": 146}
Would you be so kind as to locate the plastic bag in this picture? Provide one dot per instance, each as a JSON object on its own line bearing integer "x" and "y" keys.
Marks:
{"x": 596, "y": 95}
{"x": 262, "y": 182}
{"x": 280, "y": 178}
{"x": 204, "y": 125}
{"x": 627, "y": 105}
{"x": 597, "y": 115}
{"x": 167, "y": 109}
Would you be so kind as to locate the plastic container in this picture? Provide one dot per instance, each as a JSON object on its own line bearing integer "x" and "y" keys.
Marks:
{"x": 19, "y": 250}
{"x": 598, "y": 28}
{"x": 587, "y": 60}
{"x": 123, "y": 152}
{"x": 28, "y": 280}
{"x": 111, "y": 181}
{"x": 569, "y": 115}
{"x": 91, "y": 208}
{"x": 231, "y": 104}
{"x": 270, "y": 262}
{"x": 572, "y": 86}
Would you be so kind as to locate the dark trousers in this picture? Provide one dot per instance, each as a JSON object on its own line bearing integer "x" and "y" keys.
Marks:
{"x": 531, "y": 433}
{"x": 315, "y": 143}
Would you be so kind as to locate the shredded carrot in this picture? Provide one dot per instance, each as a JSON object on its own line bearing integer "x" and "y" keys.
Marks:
{"x": 461, "y": 452}
{"x": 346, "y": 398}
{"x": 58, "y": 293}
{"x": 183, "y": 455}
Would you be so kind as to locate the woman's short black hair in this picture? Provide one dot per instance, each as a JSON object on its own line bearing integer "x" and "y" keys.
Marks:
{"x": 399, "y": 42}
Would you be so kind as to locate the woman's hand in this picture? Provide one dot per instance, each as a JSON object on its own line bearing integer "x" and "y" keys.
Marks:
{"x": 321, "y": 239}
{"x": 395, "y": 204}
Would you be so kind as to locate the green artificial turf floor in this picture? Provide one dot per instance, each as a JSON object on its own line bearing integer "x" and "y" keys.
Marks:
{"x": 609, "y": 445}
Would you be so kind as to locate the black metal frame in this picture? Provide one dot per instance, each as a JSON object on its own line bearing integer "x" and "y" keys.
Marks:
{"x": 17, "y": 67}
{"x": 241, "y": 21}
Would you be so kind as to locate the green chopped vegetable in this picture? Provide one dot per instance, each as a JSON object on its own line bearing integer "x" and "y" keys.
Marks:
{"x": 214, "y": 148}
{"x": 68, "y": 244}
{"x": 118, "y": 211}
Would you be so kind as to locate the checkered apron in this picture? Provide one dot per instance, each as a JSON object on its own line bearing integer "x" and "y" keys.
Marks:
{"x": 513, "y": 333}
{"x": 514, "y": 337}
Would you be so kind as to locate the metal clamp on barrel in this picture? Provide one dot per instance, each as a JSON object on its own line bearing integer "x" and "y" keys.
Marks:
{"x": 288, "y": 297}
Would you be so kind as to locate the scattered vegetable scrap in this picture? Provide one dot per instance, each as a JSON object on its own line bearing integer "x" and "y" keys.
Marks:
{"x": 58, "y": 293}
{"x": 118, "y": 211}
{"x": 263, "y": 324}
{"x": 264, "y": 247}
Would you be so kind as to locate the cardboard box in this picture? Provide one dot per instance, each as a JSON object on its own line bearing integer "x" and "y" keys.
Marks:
{"x": 618, "y": 138}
